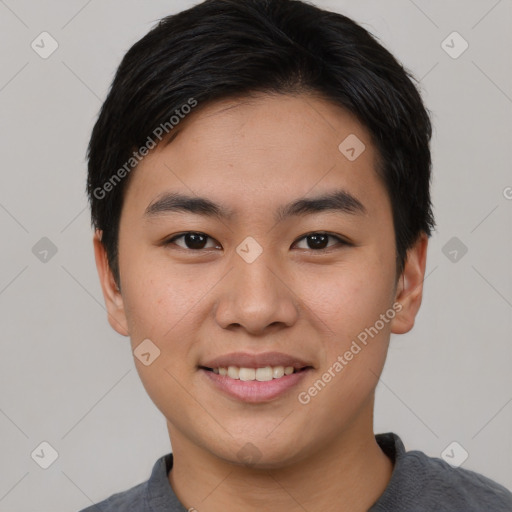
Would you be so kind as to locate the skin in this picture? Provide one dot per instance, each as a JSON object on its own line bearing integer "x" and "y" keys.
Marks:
{"x": 252, "y": 156}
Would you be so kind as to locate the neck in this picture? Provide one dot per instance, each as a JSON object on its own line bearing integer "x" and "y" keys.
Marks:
{"x": 348, "y": 475}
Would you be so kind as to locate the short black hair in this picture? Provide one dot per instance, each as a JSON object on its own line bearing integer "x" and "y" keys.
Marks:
{"x": 230, "y": 48}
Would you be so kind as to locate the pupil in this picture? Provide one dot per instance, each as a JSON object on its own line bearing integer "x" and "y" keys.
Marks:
{"x": 193, "y": 240}
{"x": 197, "y": 241}
{"x": 318, "y": 241}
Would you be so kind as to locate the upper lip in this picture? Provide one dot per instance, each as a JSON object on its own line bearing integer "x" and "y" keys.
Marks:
{"x": 247, "y": 360}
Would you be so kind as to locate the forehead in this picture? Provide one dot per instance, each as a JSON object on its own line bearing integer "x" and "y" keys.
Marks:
{"x": 259, "y": 150}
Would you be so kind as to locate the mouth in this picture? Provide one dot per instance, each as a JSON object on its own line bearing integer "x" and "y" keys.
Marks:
{"x": 254, "y": 378}
{"x": 261, "y": 374}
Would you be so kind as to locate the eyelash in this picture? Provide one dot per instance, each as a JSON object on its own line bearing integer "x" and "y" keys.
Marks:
{"x": 341, "y": 241}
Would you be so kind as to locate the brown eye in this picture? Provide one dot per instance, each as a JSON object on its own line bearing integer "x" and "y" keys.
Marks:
{"x": 319, "y": 241}
{"x": 192, "y": 240}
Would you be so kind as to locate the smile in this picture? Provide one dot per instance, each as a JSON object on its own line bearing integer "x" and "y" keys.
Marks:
{"x": 262, "y": 374}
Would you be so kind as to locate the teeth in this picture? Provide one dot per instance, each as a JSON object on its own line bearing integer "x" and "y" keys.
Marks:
{"x": 264, "y": 374}
{"x": 260, "y": 374}
{"x": 277, "y": 372}
{"x": 247, "y": 374}
{"x": 233, "y": 372}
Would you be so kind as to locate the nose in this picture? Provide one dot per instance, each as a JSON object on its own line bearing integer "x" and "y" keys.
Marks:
{"x": 257, "y": 297}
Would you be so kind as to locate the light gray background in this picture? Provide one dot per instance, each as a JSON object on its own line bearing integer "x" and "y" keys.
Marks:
{"x": 67, "y": 378}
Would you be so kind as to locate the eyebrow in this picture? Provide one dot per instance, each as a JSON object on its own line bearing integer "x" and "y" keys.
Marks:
{"x": 339, "y": 201}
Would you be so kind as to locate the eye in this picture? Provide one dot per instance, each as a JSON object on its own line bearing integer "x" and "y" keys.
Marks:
{"x": 192, "y": 240}
{"x": 319, "y": 241}
{"x": 198, "y": 241}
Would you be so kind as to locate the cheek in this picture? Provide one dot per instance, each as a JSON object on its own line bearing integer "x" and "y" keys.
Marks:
{"x": 349, "y": 299}
{"x": 157, "y": 296}
{"x": 159, "y": 305}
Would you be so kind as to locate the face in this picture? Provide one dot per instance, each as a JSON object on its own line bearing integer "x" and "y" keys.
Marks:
{"x": 287, "y": 266}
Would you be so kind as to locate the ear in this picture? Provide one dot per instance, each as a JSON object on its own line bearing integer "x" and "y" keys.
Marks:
{"x": 410, "y": 286}
{"x": 111, "y": 293}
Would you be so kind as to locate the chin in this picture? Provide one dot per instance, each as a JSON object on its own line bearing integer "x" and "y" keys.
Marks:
{"x": 261, "y": 453}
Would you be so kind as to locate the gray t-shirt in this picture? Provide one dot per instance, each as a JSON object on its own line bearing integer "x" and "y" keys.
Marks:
{"x": 419, "y": 483}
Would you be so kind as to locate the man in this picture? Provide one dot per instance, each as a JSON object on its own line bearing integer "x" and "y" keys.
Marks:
{"x": 259, "y": 183}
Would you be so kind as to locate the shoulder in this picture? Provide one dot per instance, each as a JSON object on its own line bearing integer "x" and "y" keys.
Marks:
{"x": 423, "y": 483}
{"x": 144, "y": 496}
{"x": 131, "y": 500}
{"x": 458, "y": 487}
{"x": 154, "y": 494}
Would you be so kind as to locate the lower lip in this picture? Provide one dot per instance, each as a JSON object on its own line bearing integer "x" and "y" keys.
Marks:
{"x": 254, "y": 391}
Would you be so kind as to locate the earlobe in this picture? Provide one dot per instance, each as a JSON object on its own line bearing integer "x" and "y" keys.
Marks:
{"x": 111, "y": 293}
{"x": 410, "y": 286}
